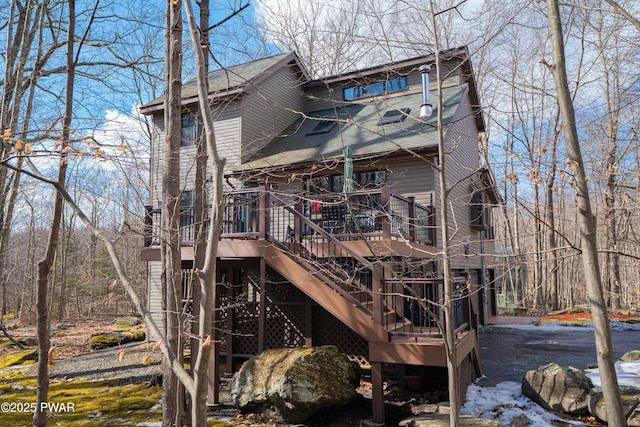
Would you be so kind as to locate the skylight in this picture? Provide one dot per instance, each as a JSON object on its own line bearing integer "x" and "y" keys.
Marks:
{"x": 322, "y": 127}
{"x": 394, "y": 116}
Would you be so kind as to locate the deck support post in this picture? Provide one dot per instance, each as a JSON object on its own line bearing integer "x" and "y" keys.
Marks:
{"x": 229, "y": 323}
{"x": 213, "y": 380}
{"x": 378, "y": 306}
{"x": 308, "y": 322}
{"x": 262, "y": 318}
{"x": 412, "y": 218}
{"x": 377, "y": 392}
{"x": 262, "y": 210}
{"x": 385, "y": 203}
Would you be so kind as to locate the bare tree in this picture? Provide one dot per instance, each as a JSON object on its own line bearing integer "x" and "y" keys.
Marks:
{"x": 45, "y": 264}
{"x": 170, "y": 246}
{"x": 586, "y": 223}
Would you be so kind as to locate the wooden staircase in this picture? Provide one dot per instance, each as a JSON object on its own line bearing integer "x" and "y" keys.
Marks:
{"x": 315, "y": 266}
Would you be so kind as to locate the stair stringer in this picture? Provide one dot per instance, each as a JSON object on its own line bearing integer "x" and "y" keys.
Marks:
{"x": 329, "y": 299}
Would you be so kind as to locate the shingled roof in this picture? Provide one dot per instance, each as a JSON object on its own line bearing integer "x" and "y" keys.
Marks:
{"x": 357, "y": 127}
{"x": 227, "y": 81}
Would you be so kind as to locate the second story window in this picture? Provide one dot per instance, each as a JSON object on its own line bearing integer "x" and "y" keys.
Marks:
{"x": 374, "y": 88}
{"x": 189, "y": 129}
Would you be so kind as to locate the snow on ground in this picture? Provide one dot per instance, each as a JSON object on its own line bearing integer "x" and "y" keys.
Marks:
{"x": 628, "y": 374}
{"x": 557, "y": 325}
{"x": 505, "y": 401}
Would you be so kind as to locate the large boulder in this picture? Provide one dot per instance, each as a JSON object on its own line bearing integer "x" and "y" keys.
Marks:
{"x": 293, "y": 384}
{"x": 19, "y": 357}
{"x": 631, "y": 356}
{"x": 630, "y": 398}
{"x": 564, "y": 389}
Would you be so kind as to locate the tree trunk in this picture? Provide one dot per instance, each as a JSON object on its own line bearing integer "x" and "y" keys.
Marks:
{"x": 553, "y": 265}
{"x": 45, "y": 264}
{"x": 611, "y": 188}
{"x": 448, "y": 303}
{"x": 586, "y": 224}
{"x": 170, "y": 246}
{"x": 207, "y": 275}
{"x": 14, "y": 88}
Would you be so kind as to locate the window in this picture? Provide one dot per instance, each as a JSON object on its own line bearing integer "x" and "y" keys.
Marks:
{"x": 326, "y": 184}
{"x": 189, "y": 136}
{"x": 394, "y": 116}
{"x": 359, "y": 91}
{"x": 335, "y": 183}
{"x": 322, "y": 128}
{"x": 371, "y": 179}
{"x": 478, "y": 212}
{"x": 187, "y": 199}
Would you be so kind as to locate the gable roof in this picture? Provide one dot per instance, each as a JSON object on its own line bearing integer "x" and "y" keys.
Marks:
{"x": 357, "y": 128}
{"x": 459, "y": 55}
{"x": 231, "y": 80}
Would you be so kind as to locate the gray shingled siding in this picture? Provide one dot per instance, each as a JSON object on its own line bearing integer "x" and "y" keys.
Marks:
{"x": 154, "y": 299}
{"x": 464, "y": 158}
{"x": 269, "y": 109}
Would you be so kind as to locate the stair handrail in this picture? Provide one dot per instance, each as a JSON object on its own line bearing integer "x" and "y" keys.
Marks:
{"x": 376, "y": 297}
{"x": 323, "y": 232}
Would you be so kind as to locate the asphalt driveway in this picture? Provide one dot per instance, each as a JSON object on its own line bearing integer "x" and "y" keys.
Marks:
{"x": 508, "y": 353}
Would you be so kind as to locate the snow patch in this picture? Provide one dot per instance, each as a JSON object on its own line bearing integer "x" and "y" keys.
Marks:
{"x": 504, "y": 403}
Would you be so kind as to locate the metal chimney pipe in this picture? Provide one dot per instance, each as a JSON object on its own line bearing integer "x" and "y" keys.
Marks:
{"x": 426, "y": 109}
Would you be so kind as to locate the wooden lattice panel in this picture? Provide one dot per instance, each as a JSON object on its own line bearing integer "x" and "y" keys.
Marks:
{"x": 245, "y": 329}
{"x": 222, "y": 323}
{"x": 327, "y": 330}
{"x": 285, "y": 326}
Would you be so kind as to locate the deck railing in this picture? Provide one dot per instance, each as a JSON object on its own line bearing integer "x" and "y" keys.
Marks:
{"x": 420, "y": 299}
{"x": 359, "y": 215}
{"x": 315, "y": 229}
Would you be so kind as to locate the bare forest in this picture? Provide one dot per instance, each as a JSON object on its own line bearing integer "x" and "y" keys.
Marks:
{"x": 535, "y": 226}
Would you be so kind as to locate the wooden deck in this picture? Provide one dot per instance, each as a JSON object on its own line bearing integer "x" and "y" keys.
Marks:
{"x": 341, "y": 267}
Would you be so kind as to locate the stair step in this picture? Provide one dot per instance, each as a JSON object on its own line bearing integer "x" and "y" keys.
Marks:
{"x": 400, "y": 326}
{"x": 359, "y": 295}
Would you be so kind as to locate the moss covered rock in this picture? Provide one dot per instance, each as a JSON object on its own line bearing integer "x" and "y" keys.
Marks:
{"x": 630, "y": 397}
{"x": 101, "y": 340}
{"x": 293, "y": 384}
{"x": 126, "y": 322}
{"x": 19, "y": 357}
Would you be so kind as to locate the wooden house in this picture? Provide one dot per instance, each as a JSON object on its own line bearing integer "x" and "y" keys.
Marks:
{"x": 331, "y": 232}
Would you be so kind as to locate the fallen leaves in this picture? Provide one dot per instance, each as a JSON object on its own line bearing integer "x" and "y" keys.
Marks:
{"x": 50, "y": 356}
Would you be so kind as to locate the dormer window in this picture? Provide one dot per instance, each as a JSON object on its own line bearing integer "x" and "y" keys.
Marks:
{"x": 394, "y": 116}
{"x": 322, "y": 128}
{"x": 374, "y": 88}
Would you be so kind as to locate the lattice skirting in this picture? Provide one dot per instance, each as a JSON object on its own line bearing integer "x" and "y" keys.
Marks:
{"x": 285, "y": 327}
